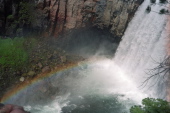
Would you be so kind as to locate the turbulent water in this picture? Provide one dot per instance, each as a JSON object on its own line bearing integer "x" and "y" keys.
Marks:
{"x": 102, "y": 85}
{"x": 143, "y": 48}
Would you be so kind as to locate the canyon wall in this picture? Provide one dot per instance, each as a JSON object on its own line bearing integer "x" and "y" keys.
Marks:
{"x": 53, "y": 17}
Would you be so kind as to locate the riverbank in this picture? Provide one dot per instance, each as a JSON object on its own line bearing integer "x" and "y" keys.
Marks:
{"x": 40, "y": 57}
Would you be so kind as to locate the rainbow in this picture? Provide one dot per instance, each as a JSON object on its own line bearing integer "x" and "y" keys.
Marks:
{"x": 27, "y": 83}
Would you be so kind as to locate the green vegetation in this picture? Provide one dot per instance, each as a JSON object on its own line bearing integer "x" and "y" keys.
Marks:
{"x": 22, "y": 20}
{"x": 26, "y": 13}
{"x": 160, "y": 1}
{"x": 163, "y": 11}
{"x": 153, "y": 1}
{"x": 151, "y": 105}
{"x": 30, "y": 43}
{"x": 10, "y": 17}
{"x": 12, "y": 53}
{"x": 148, "y": 9}
{"x": 163, "y": 1}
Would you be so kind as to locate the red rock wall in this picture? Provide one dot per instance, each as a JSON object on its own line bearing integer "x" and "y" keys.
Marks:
{"x": 72, "y": 14}
{"x": 52, "y": 17}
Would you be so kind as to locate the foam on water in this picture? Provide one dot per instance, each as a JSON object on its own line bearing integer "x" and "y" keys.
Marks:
{"x": 144, "y": 46}
{"x": 85, "y": 87}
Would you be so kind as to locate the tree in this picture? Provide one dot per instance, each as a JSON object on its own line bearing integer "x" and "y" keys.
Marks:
{"x": 151, "y": 105}
{"x": 160, "y": 72}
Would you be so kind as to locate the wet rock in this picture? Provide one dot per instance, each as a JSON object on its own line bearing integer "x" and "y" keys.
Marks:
{"x": 73, "y": 14}
{"x": 55, "y": 52}
{"x": 46, "y": 69}
{"x": 55, "y": 68}
{"x": 24, "y": 74}
{"x": 22, "y": 79}
{"x": 40, "y": 4}
{"x": 57, "y": 16}
{"x": 63, "y": 58}
{"x": 43, "y": 89}
{"x": 40, "y": 65}
{"x": 50, "y": 56}
{"x": 1, "y": 105}
{"x": 31, "y": 73}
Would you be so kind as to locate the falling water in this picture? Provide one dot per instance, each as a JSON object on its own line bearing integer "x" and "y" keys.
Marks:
{"x": 143, "y": 47}
{"x": 104, "y": 85}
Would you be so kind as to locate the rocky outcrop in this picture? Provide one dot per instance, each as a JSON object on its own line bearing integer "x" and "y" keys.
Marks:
{"x": 112, "y": 14}
{"x": 57, "y": 16}
{"x": 2, "y": 17}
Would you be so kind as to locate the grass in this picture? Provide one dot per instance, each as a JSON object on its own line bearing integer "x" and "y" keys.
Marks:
{"x": 12, "y": 53}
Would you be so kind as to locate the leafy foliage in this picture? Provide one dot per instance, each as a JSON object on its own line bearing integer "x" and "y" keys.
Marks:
{"x": 163, "y": 11}
{"x": 163, "y": 1}
{"x": 10, "y": 17}
{"x": 148, "y": 9}
{"x": 25, "y": 13}
{"x": 12, "y": 53}
{"x": 151, "y": 105}
{"x": 153, "y": 1}
{"x": 23, "y": 19}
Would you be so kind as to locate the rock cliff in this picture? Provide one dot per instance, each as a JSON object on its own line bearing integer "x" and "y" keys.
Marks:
{"x": 53, "y": 17}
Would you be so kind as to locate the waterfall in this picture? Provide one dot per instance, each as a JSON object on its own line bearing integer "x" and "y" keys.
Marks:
{"x": 105, "y": 85}
{"x": 143, "y": 45}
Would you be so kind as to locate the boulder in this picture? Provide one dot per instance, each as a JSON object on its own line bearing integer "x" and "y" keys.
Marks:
{"x": 53, "y": 17}
{"x": 40, "y": 65}
{"x": 63, "y": 59}
{"x": 31, "y": 73}
{"x": 22, "y": 79}
{"x": 46, "y": 69}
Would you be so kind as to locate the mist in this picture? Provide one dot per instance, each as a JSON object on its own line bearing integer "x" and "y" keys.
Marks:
{"x": 102, "y": 82}
{"x": 93, "y": 82}
{"x": 87, "y": 42}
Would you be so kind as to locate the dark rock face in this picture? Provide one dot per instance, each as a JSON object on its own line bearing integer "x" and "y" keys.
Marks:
{"x": 2, "y": 17}
{"x": 53, "y": 17}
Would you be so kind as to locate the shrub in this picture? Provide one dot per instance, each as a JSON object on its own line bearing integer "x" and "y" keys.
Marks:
{"x": 163, "y": 11}
{"x": 163, "y": 1}
{"x": 153, "y": 1}
{"x": 148, "y": 9}
{"x": 26, "y": 13}
{"x": 10, "y": 17}
{"x": 151, "y": 105}
{"x": 12, "y": 53}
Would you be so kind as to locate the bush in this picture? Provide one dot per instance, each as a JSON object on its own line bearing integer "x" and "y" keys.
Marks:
{"x": 10, "y": 17}
{"x": 148, "y": 9}
{"x": 26, "y": 13}
{"x": 163, "y": 11}
{"x": 153, "y": 1}
{"x": 163, "y": 1}
{"x": 12, "y": 53}
{"x": 151, "y": 105}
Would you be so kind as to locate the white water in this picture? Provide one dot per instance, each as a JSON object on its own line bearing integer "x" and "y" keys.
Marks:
{"x": 143, "y": 45}
{"x": 144, "y": 41}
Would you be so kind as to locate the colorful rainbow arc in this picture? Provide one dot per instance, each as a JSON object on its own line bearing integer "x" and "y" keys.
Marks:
{"x": 28, "y": 83}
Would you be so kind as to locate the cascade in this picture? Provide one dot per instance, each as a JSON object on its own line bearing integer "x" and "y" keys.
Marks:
{"x": 144, "y": 46}
{"x": 102, "y": 85}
